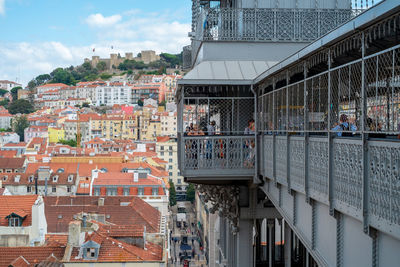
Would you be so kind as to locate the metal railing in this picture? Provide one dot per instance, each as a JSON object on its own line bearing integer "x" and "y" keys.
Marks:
{"x": 318, "y": 103}
{"x": 218, "y": 153}
{"x": 266, "y": 24}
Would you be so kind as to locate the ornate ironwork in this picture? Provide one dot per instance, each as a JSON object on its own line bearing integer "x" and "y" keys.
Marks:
{"x": 281, "y": 146}
{"x": 224, "y": 200}
{"x": 269, "y": 156}
{"x": 318, "y": 170}
{"x": 265, "y": 24}
{"x": 219, "y": 152}
{"x": 384, "y": 170}
{"x": 347, "y": 173}
{"x": 297, "y": 163}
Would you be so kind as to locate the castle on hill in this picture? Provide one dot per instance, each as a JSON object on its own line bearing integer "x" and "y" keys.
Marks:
{"x": 146, "y": 56}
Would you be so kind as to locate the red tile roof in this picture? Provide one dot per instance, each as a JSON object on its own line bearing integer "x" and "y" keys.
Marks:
{"x": 60, "y": 211}
{"x": 118, "y": 178}
{"x": 12, "y": 163}
{"x": 8, "y": 153}
{"x": 33, "y": 255}
{"x": 21, "y": 205}
{"x": 113, "y": 250}
{"x": 163, "y": 139}
{"x": 53, "y": 85}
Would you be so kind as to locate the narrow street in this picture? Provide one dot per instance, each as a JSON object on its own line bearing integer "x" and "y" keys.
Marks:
{"x": 184, "y": 239}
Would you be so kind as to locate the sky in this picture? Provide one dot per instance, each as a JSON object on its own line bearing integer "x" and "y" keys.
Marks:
{"x": 37, "y": 36}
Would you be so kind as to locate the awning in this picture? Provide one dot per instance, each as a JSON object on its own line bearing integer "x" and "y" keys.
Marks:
{"x": 225, "y": 72}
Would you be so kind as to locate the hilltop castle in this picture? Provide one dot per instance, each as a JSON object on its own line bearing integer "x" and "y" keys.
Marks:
{"x": 146, "y": 56}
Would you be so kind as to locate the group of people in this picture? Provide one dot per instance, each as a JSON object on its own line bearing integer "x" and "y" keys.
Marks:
{"x": 213, "y": 149}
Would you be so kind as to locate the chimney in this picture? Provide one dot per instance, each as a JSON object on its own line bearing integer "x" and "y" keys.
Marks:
{"x": 74, "y": 234}
{"x": 136, "y": 177}
{"x": 100, "y": 201}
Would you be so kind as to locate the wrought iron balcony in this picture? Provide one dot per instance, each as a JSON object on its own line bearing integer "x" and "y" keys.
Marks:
{"x": 213, "y": 144}
{"x": 218, "y": 155}
{"x": 268, "y": 25}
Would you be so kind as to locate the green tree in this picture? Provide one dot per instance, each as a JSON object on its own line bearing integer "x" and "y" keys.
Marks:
{"x": 85, "y": 105}
{"x": 14, "y": 92}
{"x": 43, "y": 78}
{"x": 69, "y": 142}
{"x": 105, "y": 76}
{"x": 4, "y": 103}
{"x": 172, "y": 194}
{"x": 140, "y": 103}
{"x": 19, "y": 125}
{"x": 101, "y": 66}
{"x": 87, "y": 66}
{"x": 31, "y": 84}
{"x": 20, "y": 106}
{"x": 3, "y": 92}
{"x": 190, "y": 193}
{"x": 62, "y": 76}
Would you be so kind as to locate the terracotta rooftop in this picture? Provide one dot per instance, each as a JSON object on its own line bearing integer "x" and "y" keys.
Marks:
{"x": 21, "y": 205}
{"x": 32, "y": 255}
{"x": 118, "y": 178}
{"x": 20, "y": 144}
{"x": 60, "y": 211}
{"x": 113, "y": 250}
{"x": 11, "y": 163}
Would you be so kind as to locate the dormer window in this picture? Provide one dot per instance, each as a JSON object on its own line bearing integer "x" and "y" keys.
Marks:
{"x": 30, "y": 179}
{"x": 55, "y": 178}
{"x": 90, "y": 253}
{"x": 5, "y": 178}
{"x": 70, "y": 177}
{"x": 15, "y": 220}
{"x": 90, "y": 250}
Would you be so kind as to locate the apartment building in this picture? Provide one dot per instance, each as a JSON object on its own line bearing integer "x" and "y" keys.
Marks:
{"x": 167, "y": 150}
{"x": 111, "y": 94}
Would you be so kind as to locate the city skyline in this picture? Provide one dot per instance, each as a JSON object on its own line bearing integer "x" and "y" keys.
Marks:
{"x": 84, "y": 28}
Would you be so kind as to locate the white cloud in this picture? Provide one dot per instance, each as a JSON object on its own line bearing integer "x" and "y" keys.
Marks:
{"x": 2, "y": 7}
{"x": 133, "y": 32}
{"x": 98, "y": 20}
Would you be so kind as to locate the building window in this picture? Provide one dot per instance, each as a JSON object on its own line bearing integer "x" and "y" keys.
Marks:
{"x": 154, "y": 191}
{"x": 126, "y": 191}
{"x": 162, "y": 153}
{"x": 14, "y": 222}
{"x": 140, "y": 191}
{"x": 170, "y": 147}
{"x": 54, "y": 189}
{"x": 28, "y": 189}
{"x": 68, "y": 189}
{"x": 170, "y": 153}
{"x": 170, "y": 174}
{"x": 97, "y": 191}
{"x": 170, "y": 160}
{"x": 170, "y": 167}
{"x": 179, "y": 181}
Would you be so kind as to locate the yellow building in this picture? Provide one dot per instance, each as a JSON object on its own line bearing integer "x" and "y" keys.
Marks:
{"x": 114, "y": 127}
{"x": 56, "y": 134}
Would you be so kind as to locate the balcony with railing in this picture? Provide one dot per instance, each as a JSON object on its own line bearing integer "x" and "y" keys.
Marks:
{"x": 330, "y": 126}
{"x": 268, "y": 24}
{"x": 215, "y": 142}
